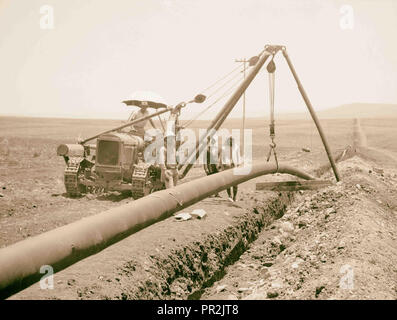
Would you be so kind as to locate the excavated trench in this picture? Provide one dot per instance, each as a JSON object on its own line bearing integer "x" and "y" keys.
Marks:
{"x": 199, "y": 265}
{"x": 185, "y": 272}
{"x": 244, "y": 234}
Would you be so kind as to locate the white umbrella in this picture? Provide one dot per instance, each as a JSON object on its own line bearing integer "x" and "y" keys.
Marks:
{"x": 146, "y": 98}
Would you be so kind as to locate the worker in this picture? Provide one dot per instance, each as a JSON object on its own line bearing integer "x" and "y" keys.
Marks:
{"x": 212, "y": 165}
{"x": 167, "y": 162}
{"x": 139, "y": 127}
{"x": 230, "y": 158}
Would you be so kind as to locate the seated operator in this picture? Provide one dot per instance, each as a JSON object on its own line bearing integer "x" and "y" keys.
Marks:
{"x": 139, "y": 127}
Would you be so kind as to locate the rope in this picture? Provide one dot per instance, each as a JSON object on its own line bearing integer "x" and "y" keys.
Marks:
{"x": 223, "y": 85}
{"x": 213, "y": 103}
{"x": 271, "y": 68}
{"x": 271, "y": 95}
{"x": 161, "y": 122}
{"x": 218, "y": 89}
{"x": 222, "y": 78}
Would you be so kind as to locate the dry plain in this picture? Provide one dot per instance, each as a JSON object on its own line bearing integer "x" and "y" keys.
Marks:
{"x": 33, "y": 201}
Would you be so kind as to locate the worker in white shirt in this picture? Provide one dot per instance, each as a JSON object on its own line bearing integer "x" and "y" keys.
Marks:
{"x": 230, "y": 158}
{"x": 167, "y": 162}
{"x": 213, "y": 164}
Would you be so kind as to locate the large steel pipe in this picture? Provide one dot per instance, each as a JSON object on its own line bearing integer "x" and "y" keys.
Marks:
{"x": 20, "y": 263}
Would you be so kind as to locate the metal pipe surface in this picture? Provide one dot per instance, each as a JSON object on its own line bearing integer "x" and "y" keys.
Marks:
{"x": 20, "y": 263}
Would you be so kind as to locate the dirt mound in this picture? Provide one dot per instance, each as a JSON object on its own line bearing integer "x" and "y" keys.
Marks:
{"x": 336, "y": 243}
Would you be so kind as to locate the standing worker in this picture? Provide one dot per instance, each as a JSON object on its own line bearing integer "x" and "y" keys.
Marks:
{"x": 213, "y": 164}
{"x": 230, "y": 158}
{"x": 167, "y": 162}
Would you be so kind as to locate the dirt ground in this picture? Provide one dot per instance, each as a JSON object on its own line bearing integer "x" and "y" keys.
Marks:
{"x": 32, "y": 193}
{"x": 335, "y": 243}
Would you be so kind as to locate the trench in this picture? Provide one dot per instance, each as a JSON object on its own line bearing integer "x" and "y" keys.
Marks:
{"x": 186, "y": 272}
{"x": 199, "y": 265}
{"x": 274, "y": 211}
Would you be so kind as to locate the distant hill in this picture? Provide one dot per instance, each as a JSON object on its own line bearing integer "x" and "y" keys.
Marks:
{"x": 361, "y": 110}
{"x": 348, "y": 111}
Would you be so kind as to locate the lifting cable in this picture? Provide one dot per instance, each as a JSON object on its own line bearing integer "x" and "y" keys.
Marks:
{"x": 227, "y": 92}
{"x": 223, "y": 85}
{"x": 271, "y": 68}
{"x": 222, "y": 78}
{"x": 218, "y": 89}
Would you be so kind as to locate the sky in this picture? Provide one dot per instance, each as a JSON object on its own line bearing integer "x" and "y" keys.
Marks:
{"x": 98, "y": 53}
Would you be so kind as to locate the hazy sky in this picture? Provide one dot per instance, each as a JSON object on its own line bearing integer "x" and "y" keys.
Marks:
{"x": 99, "y": 52}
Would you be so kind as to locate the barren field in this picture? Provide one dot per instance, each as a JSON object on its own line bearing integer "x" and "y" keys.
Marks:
{"x": 264, "y": 246}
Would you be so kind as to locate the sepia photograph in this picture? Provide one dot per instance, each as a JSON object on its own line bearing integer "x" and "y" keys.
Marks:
{"x": 198, "y": 154}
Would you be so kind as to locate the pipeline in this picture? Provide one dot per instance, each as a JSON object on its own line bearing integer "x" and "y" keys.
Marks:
{"x": 20, "y": 263}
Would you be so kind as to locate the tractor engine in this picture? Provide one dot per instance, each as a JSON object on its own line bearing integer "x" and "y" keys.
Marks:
{"x": 116, "y": 155}
{"x": 115, "y": 163}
